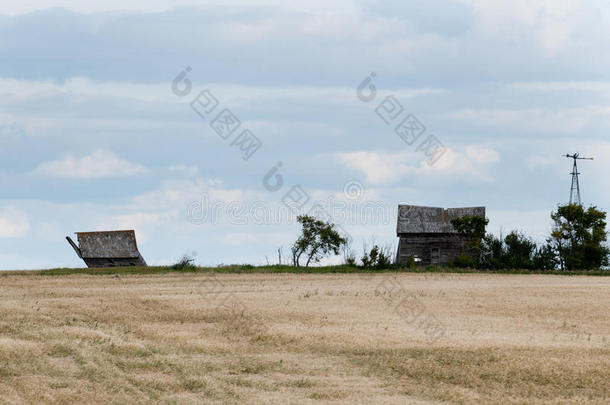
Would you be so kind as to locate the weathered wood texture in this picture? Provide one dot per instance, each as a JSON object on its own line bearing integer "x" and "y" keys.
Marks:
{"x": 108, "y": 244}
{"x": 427, "y": 233}
{"x": 431, "y": 248}
{"x": 418, "y": 219}
{"x": 108, "y": 249}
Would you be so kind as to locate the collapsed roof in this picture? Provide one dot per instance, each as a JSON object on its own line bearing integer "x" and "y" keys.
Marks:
{"x": 108, "y": 248}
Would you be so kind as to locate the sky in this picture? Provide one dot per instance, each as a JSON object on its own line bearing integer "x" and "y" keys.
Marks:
{"x": 207, "y": 125}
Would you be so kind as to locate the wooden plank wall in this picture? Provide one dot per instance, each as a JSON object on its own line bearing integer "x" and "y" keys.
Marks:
{"x": 431, "y": 248}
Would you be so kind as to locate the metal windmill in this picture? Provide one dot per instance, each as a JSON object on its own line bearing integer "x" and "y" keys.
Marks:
{"x": 575, "y": 189}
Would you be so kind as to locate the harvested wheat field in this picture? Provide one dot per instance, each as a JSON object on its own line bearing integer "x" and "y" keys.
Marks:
{"x": 298, "y": 339}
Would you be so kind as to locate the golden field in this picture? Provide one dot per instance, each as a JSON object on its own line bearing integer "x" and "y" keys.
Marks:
{"x": 390, "y": 338}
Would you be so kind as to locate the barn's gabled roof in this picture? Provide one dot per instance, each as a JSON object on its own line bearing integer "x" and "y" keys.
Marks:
{"x": 419, "y": 219}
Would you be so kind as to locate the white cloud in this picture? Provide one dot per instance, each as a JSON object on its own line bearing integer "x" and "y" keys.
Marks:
{"x": 377, "y": 167}
{"x": 481, "y": 155}
{"x": 388, "y": 168}
{"x": 144, "y": 223}
{"x": 21, "y": 7}
{"x": 551, "y": 23}
{"x": 464, "y": 76}
{"x": 192, "y": 170}
{"x": 174, "y": 194}
{"x": 14, "y": 223}
{"x": 586, "y": 86}
{"x": 171, "y": 205}
{"x": 557, "y": 120}
{"x": 97, "y": 165}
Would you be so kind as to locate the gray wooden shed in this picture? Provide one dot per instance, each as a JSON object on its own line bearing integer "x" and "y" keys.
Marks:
{"x": 108, "y": 248}
{"x": 426, "y": 233}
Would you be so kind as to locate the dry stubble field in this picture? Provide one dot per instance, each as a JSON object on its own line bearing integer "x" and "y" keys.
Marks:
{"x": 295, "y": 339}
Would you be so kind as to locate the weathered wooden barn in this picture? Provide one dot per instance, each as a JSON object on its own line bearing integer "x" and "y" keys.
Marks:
{"x": 426, "y": 233}
{"x": 108, "y": 248}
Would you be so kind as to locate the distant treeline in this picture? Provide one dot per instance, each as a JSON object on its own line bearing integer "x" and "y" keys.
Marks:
{"x": 577, "y": 242}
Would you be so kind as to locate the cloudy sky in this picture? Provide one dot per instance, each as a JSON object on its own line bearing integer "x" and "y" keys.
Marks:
{"x": 93, "y": 136}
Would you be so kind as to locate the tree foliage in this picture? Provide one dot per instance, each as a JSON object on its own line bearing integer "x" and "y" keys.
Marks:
{"x": 578, "y": 237}
{"x": 473, "y": 227}
{"x": 378, "y": 258}
{"x": 516, "y": 251}
{"x": 577, "y": 242}
{"x": 544, "y": 258}
{"x": 520, "y": 250}
{"x": 317, "y": 240}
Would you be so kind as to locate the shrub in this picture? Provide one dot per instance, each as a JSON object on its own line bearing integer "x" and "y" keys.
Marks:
{"x": 411, "y": 263}
{"x": 349, "y": 258}
{"x": 186, "y": 262}
{"x": 379, "y": 258}
{"x": 463, "y": 261}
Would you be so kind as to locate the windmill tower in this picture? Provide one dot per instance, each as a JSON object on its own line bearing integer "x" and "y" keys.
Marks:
{"x": 575, "y": 189}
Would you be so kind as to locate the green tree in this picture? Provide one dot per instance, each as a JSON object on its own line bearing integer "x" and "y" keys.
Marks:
{"x": 492, "y": 252}
{"x": 317, "y": 240}
{"x": 545, "y": 257}
{"x": 519, "y": 251}
{"x": 578, "y": 237}
{"x": 473, "y": 227}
